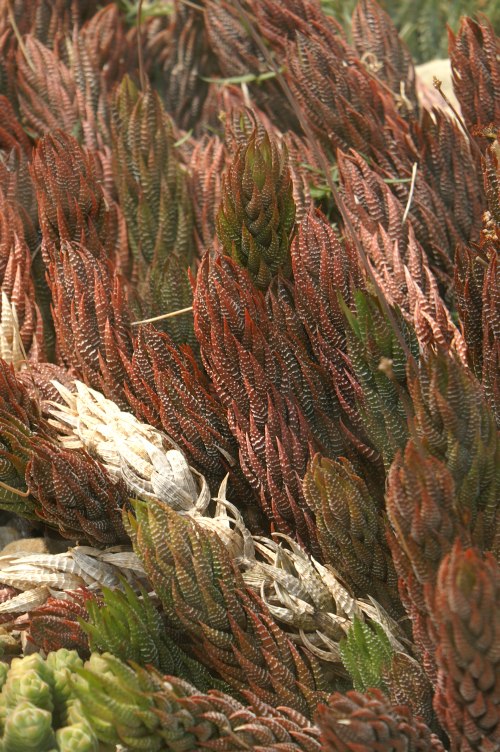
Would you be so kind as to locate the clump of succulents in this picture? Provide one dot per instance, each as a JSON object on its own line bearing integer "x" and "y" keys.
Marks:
{"x": 38, "y": 708}
{"x": 249, "y": 378}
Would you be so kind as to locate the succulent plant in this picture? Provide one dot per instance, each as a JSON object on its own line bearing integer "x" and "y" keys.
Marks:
{"x": 365, "y": 653}
{"x": 249, "y": 358}
{"x": 142, "y": 710}
{"x": 358, "y": 722}
{"x": 256, "y": 216}
{"x": 133, "y": 629}
{"x": 38, "y": 708}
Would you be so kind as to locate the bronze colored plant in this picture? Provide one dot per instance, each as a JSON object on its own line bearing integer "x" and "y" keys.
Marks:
{"x": 362, "y": 723}
{"x": 466, "y": 610}
{"x": 475, "y": 49}
{"x": 73, "y": 493}
{"x": 20, "y": 419}
{"x": 264, "y": 410}
{"x": 56, "y": 625}
{"x": 71, "y": 203}
{"x": 384, "y": 53}
{"x": 91, "y": 317}
{"x": 152, "y": 188}
{"x": 170, "y": 390}
{"x": 455, "y": 425}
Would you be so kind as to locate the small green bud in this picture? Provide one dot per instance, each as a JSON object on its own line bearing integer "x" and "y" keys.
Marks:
{"x": 62, "y": 663}
{"x": 28, "y": 729}
{"x": 31, "y": 687}
{"x": 77, "y": 738}
{"x": 33, "y": 661}
{"x": 63, "y": 658}
{"x": 74, "y": 711}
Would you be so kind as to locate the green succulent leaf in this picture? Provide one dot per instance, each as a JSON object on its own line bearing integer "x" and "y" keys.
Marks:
{"x": 366, "y": 652}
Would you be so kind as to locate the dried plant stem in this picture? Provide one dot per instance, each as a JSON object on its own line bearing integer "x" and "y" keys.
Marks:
{"x": 15, "y": 28}
{"x": 412, "y": 190}
{"x": 13, "y": 490}
{"x": 142, "y": 77}
{"x": 163, "y": 316}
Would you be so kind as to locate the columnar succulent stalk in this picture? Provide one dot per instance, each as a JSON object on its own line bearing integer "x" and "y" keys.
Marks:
{"x": 470, "y": 268}
{"x": 477, "y": 285}
{"x": 18, "y": 191}
{"x": 18, "y": 233}
{"x": 491, "y": 338}
{"x": 466, "y": 610}
{"x": 38, "y": 380}
{"x": 67, "y": 86}
{"x": 408, "y": 684}
{"x": 205, "y": 598}
{"x": 444, "y": 487}
{"x": 48, "y": 94}
{"x": 355, "y": 111}
{"x": 328, "y": 285}
{"x": 475, "y": 47}
{"x": 152, "y": 188}
{"x": 454, "y": 424}
{"x": 20, "y": 418}
{"x": 56, "y": 623}
{"x": 384, "y": 54}
{"x": 362, "y": 723}
{"x": 443, "y": 146}
{"x": 72, "y": 205}
{"x": 333, "y": 111}
{"x": 75, "y": 494}
{"x": 420, "y": 499}
{"x": 180, "y": 58}
{"x": 326, "y": 271}
{"x": 378, "y": 357}
{"x": 91, "y": 318}
{"x": 170, "y": 391}
{"x": 238, "y": 56}
{"x": 264, "y": 414}
{"x": 142, "y": 710}
{"x": 256, "y": 217}
{"x": 206, "y": 166}
{"x": 406, "y": 257}
{"x": 64, "y": 70}
{"x": 351, "y": 530}
{"x": 307, "y": 383}
{"x": 21, "y": 324}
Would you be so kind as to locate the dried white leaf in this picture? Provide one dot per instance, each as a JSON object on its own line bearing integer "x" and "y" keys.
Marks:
{"x": 26, "y": 601}
{"x": 96, "y": 571}
{"x": 149, "y": 462}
